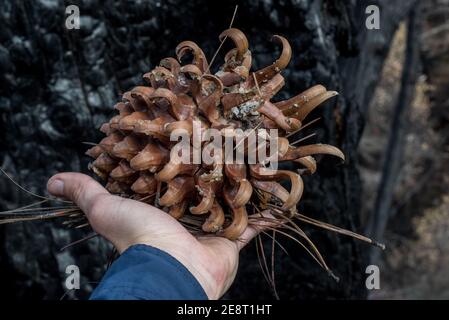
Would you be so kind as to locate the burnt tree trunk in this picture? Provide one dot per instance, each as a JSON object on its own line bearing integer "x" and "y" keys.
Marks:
{"x": 59, "y": 85}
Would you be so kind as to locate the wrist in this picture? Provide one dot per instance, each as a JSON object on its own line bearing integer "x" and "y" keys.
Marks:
{"x": 192, "y": 255}
{"x": 203, "y": 269}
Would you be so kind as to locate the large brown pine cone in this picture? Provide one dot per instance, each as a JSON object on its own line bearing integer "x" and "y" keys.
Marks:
{"x": 136, "y": 157}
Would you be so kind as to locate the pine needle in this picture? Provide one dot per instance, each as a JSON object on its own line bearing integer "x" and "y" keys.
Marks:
{"x": 303, "y": 127}
{"x": 29, "y": 192}
{"x": 93, "y": 235}
{"x": 303, "y": 139}
{"x": 222, "y": 41}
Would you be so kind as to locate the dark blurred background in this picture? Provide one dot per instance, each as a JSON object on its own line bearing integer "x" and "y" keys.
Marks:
{"x": 57, "y": 86}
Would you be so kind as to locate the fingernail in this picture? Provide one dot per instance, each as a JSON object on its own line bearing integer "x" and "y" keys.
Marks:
{"x": 56, "y": 187}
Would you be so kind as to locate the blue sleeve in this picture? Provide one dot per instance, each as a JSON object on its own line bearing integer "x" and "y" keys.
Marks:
{"x": 146, "y": 273}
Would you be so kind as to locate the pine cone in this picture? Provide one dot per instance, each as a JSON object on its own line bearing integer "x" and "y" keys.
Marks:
{"x": 137, "y": 158}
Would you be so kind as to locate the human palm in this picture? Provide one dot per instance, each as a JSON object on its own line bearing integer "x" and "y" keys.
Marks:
{"x": 212, "y": 260}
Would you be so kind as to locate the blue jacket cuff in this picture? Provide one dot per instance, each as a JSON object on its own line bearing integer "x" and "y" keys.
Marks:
{"x": 147, "y": 273}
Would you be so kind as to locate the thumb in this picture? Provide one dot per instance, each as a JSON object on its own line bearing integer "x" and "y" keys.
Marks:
{"x": 94, "y": 200}
{"x": 77, "y": 187}
{"x": 121, "y": 221}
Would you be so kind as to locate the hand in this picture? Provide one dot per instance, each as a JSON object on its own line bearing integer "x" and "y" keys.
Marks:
{"x": 212, "y": 260}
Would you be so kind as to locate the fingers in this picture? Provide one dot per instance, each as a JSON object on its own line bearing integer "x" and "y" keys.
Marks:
{"x": 77, "y": 187}
{"x": 122, "y": 221}
{"x": 257, "y": 223}
{"x": 88, "y": 193}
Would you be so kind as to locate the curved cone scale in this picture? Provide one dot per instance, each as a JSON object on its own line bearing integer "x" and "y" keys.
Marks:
{"x": 215, "y": 220}
{"x": 114, "y": 122}
{"x": 128, "y": 122}
{"x": 271, "y": 187}
{"x": 238, "y": 224}
{"x": 309, "y": 163}
{"x": 95, "y": 151}
{"x": 106, "y": 128}
{"x": 235, "y": 172}
{"x": 152, "y": 155}
{"x": 240, "y": 194}
{"x": 122, "y": 172}
{"x": 177, "y": 210}
{"x": 207, "y": 188}
{"x": 292, "y": 105}
{"x": 171, "y": 170}
{"x": 108, "y": 143}
{"x": 281, "y": 63}
{"x": 171, "y": 64}
{"x": 143, "y": 93}
{"x": 303, "y": 151}
{"x": 128, "y": 147}
{"x": 297, "y": 186}
{"x": 178, "y": 189}
{"x": 309, "y": 106}
{"x": 117, "y": 187}
{"x": 271, "y": 111}
{"x": 105, "y": 163}
{"x": 145, "y": 184}
{"x": 239, "y": 39}
{"x": 123, "y": 108}
{"x": 204, "y": 206}
{"x": 199, "y": 58}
